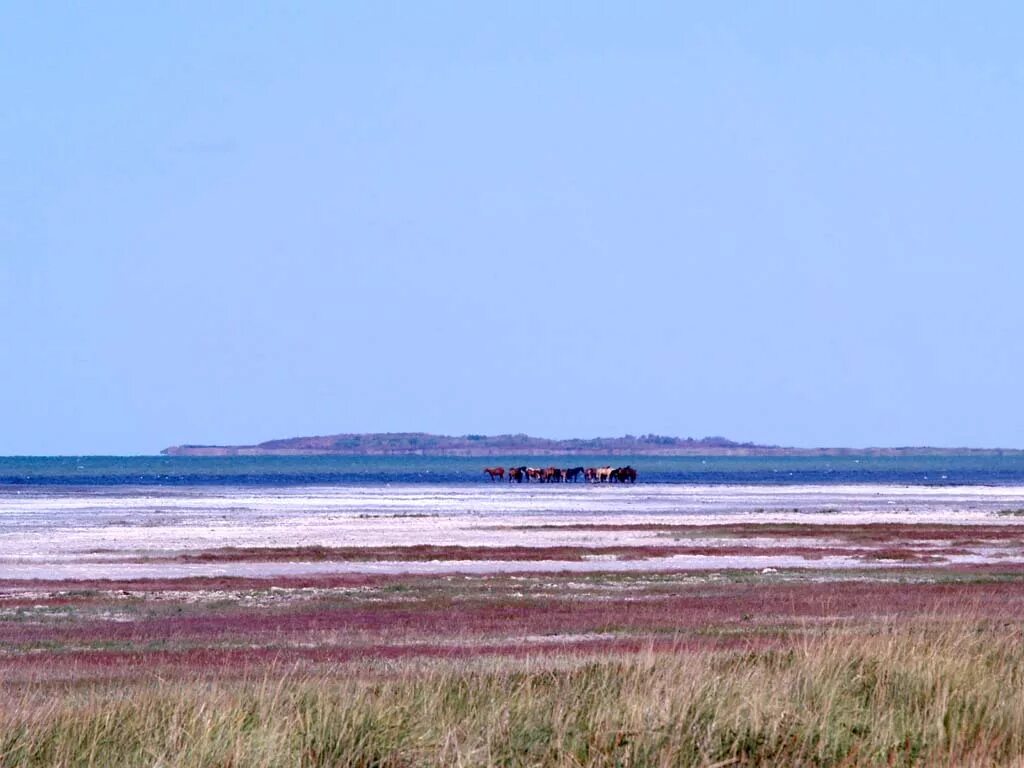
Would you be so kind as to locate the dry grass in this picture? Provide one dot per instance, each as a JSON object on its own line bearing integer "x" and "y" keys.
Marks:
{"x": 921, "y": 693}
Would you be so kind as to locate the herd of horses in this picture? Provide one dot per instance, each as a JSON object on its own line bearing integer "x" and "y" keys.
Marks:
{"x": 555, "y": 475}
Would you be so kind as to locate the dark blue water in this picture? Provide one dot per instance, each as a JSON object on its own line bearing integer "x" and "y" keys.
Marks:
{"x": 376, "y": 470}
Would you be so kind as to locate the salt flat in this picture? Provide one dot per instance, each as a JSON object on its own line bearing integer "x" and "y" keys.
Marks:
{"x": 135, "y": 532}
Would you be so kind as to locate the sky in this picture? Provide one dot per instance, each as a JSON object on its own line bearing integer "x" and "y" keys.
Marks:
{"x": 790, "y": 223}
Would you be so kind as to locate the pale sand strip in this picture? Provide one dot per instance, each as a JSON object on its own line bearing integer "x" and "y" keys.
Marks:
{"x": 61, "y": 534}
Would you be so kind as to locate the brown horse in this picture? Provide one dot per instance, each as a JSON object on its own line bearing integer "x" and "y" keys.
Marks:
{"x": 516, "y": 473}
{"x": 590, "y": 474}
{"x": 496, "y": 473}
{"x": 534, "y": 474}
{"x": 623, "y": 475}
{"x": 552, "y": 475}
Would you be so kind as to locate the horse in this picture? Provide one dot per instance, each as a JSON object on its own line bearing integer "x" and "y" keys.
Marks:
{"x": 604, "y": 474}
{"x": 496, "y": 473}
{"x": 534, "y": 473}
{"x": 623, "y": 475}
{"x": 552, "y": 475}
{"x": 590, "y": 474}
{"x": 572, "y": 474}
{"x": 516, "y": 473}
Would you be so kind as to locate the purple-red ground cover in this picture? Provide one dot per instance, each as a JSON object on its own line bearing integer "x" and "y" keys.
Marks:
{"x": 110, "y": 628}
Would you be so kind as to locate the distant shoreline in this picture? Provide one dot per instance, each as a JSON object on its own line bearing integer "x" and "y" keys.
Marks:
{"x": 483, "y": 446}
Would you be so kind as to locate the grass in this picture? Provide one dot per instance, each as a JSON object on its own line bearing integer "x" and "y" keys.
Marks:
{"x": 920, "y": 693}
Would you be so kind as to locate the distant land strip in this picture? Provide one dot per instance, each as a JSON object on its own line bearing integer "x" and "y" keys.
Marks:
{"x": 423, "y": 444}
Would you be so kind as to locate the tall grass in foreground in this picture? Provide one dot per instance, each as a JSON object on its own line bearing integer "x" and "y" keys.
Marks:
{"x": 906, "y": 696}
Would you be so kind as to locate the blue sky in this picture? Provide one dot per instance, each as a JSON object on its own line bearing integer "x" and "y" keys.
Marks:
{"x": 795, "y": 223}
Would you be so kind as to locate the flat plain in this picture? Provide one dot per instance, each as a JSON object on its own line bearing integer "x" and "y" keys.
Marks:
{"x": 654, "y": 625}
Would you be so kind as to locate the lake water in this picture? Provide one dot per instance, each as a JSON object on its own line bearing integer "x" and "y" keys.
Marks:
{"x": 271, "y": 471}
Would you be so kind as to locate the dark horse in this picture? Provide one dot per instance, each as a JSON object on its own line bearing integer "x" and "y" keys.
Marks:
{"x": 623, "y": 475}
{"x": 516, "y": 473}
{"x": 572, "y": 474}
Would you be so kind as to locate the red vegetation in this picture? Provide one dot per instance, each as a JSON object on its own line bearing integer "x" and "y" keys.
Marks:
{"x": 75, "y": 587}
{"x": 453, "y": 624}
{"x": 856, "y": 533}
{"x": 428, "y": 553}
{"x": 155, "y": 630}
{"x": 849, "y": 540}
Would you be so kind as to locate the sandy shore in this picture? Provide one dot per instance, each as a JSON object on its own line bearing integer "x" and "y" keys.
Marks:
{"x": 144, "y": 532}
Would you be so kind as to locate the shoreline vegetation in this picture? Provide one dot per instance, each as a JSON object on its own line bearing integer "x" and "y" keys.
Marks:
{"x": 914, "y": 695}
{"x": 424, "y": 444}
{"x": 677, "y": 669}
